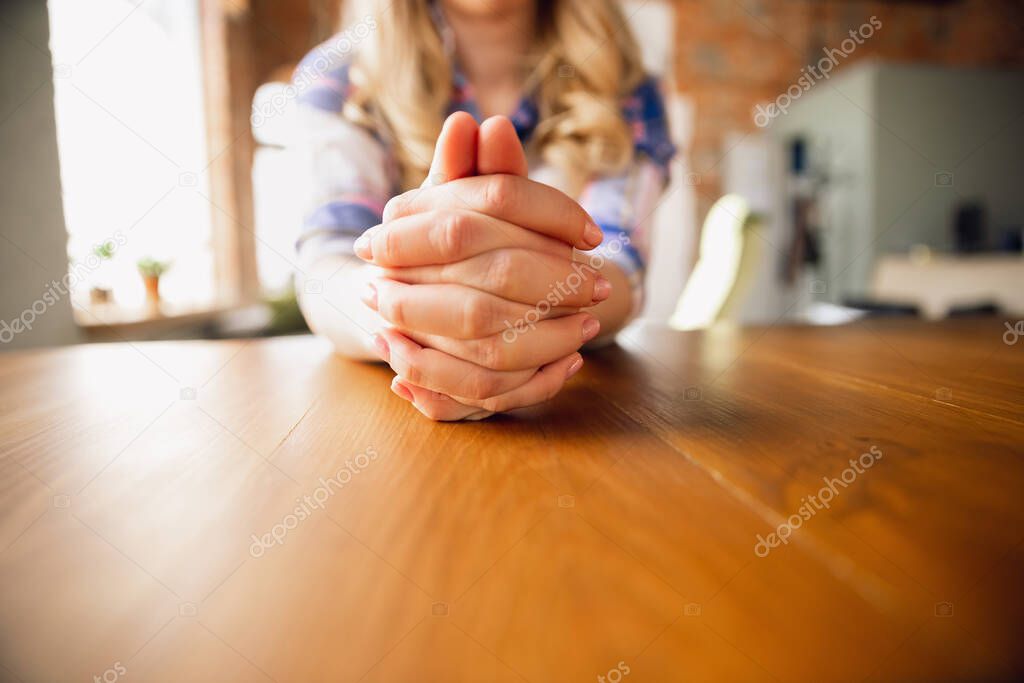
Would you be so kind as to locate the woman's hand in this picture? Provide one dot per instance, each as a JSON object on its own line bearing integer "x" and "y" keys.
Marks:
{"x": 513, "y": 199}
{"x": 478, "y": 279}
{"x": 475, "y": 326}
{"x": 468, "y": 264}
{"x": 423, "y": 373}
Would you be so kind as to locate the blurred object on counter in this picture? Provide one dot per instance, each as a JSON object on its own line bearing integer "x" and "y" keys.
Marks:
{"x": 944, "y": 283}
{"x": 970, "y": 230}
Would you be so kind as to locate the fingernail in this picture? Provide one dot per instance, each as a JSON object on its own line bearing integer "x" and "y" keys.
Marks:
{"x": 590, "y": 329}
{"x": 592, "y": 234}
{"x": 368, "y": 295}
{"x": 574, "y": 367}
{"x": 602, "y": 288}
{"x": 401, "y": 390}
{"x": 381, "y": 344}
{"x": 363, "y": 247}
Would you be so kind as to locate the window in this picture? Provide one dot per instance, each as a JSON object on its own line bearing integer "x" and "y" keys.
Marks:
{"x": 133, "y": 151}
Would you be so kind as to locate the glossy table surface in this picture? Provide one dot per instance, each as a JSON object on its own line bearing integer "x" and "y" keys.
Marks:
{"x": 777, "y": 503}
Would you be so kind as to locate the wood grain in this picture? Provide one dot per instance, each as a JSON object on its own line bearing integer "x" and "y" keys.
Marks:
{"x": 264, "y": 510}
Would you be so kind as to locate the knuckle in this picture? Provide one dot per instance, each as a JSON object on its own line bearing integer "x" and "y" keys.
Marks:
{"x": 493, "y": 404}
{"x": 454, "y": 234}
{"x": 394, "y": 309}
{"x": 502, "y": 270}
{"x": 492, "y": 352}
{"x": 478, "y": 314}
{"x": 412, "y": 372}
{"x": 395, "y": 207}
{"x": 499, "y": 191}
{"x": 482, "y": 385}
{"x": 388, "y": 245}
{"x": 430, "y": 409}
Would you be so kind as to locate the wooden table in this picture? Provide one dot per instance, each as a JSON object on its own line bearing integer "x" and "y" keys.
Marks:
{"x": 219, "y": 511}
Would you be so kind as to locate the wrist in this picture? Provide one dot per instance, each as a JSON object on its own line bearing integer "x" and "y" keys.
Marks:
{"x": 327, "y": 294}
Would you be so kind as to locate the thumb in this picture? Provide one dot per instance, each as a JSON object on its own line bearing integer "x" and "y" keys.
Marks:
{"x": 455, "y": 152}
{"x": 500, "y": 150}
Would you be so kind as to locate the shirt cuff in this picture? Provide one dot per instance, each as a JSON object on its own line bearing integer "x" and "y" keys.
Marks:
{"x": 334, "y": 227}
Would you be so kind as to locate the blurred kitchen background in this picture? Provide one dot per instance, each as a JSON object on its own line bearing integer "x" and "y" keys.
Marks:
{"x": 838, "y": 158}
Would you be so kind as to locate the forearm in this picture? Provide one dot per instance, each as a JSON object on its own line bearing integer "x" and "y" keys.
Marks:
{"x": 336, "y": 313}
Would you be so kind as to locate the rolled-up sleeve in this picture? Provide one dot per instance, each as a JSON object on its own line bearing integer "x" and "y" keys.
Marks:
{"x": 347, "y": 172}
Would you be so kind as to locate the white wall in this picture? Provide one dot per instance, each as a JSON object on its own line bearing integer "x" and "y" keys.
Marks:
{"x": 934, "y": 119}
{"x": 837, "y": 118}
{"x": 32, "y": 236}
{"x": 833, "y": 117}
{"x": 880, "y": 133}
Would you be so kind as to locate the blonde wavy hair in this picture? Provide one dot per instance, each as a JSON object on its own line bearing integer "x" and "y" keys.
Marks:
{"x": 584, "y": 62}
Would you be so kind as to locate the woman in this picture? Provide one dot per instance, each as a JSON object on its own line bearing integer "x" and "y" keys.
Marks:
{"x": 478, "y": 260}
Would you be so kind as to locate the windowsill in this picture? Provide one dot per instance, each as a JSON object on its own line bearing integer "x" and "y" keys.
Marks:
{"x": 110, "y": 322}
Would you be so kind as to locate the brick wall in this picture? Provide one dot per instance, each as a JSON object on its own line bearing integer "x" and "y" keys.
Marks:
{"x": 733, "y": 54}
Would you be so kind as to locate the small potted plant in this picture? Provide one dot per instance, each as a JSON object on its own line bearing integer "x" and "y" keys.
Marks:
{"x": 98, "y": 293}
{"x": 150, "y": 269}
